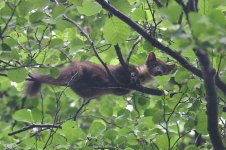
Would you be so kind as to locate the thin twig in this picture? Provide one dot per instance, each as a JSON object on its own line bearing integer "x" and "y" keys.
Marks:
{"x": 34, "y": 126}
{"x": 120, "y": 57}
{"x": 180, "y": 136}
{"x": 92, "y": 45}
{"x": 51, "y": 134}
{"x": 8, "y": 21}
{"x": 85, "y": 102}
{"x": 132, "y": 48}
{"x": 174, "y": 109}
{"x": 185, "y": 9}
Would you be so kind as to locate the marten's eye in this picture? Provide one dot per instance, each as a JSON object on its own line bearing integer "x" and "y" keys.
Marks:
{"x": 133, "y": 74}
{"x": 153, "y": 65}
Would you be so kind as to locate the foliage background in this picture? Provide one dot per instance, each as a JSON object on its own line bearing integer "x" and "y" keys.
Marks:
{"x": 35, "y": 37}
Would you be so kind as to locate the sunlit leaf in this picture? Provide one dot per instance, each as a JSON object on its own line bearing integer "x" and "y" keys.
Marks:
{"x": 24, "y": 115}
{"x": 96, "y": 128}
{"x": 89, "y": 8}
{"x": 72, "y": 132}
{"x": 116, "y": 31}
{"x": 17, "y": 75}
{"x": 201, "y": 126}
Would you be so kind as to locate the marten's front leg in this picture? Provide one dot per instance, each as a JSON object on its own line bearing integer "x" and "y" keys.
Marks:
{"x": 135, "y": 79}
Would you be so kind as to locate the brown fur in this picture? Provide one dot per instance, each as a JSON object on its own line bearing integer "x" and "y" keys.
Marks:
{"x": 90, "y": 80}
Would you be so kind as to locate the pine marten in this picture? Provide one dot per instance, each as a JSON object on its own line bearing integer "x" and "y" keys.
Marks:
{"x": 90, "y": 80}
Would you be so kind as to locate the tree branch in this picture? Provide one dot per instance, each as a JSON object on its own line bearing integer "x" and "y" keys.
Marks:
{"x": 4, "y": 75}
{"x": 34, "y": 126}
{"x": 92, "y": 45}
{"x": 120, "y": 57}
{"x": 7, "y": 23}
{"x": 158, "y": 3}
{"x": 158, "y": 44}
{"x": 130, "y": 86}
{"x": 132, "y": 48}
{"x": 211, "y": 97}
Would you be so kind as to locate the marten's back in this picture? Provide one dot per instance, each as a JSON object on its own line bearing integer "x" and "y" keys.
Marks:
{"x": 87, "y": 79}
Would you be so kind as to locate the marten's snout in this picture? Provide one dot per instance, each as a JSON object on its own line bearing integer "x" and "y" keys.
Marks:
{"x": 157, "y": 71}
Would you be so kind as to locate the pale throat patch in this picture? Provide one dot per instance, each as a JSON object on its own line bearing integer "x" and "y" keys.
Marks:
{"x": 145, "y": 77}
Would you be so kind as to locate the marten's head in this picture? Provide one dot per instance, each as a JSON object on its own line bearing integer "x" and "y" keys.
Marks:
{"x": 157, "y": 67}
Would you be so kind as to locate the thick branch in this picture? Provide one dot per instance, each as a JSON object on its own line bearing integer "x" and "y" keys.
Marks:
{"x": 151, "y": 91}
{"x": 131, "y": 86}
{"x": 158, "y": 44}
{"x": 158, "y": 3}
{"x": 211, "y": 98}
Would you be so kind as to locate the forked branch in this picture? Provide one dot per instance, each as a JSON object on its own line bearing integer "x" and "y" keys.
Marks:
{"x": 131, "y": 86}
{"x": 211, "y": 97}
{"x": 173, "y": 53}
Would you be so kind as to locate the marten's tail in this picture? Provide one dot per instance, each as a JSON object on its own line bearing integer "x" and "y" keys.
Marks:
{"x": 32, "y": 87}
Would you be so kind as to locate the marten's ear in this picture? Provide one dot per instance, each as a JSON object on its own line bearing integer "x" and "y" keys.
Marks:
{"x": 151, "y": 57}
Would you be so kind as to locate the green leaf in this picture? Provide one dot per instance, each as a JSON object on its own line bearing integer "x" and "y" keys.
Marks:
{"x": 24, "y": 115}
{"x": 5, "y": 47}
{"x": 145, "y": 123}
{"x": 25, "y": 7}
{"x": 89, "y": 8}
{"x": 72, "y": 132}
{"x": 181, "y": 75}
{"x": 56, "y": 43}
{"x": 121, "y": 140}
{"x": 172, "y": 12}
{"x": 54, "y": 72}
{"x": 162, "y": 141}
{"x": 204, "y": 6}
{"x": 29, "y": 142}
{"x": 201, "y": 126}
{"x": 122, "y": 122}
{"x": 199, "y": 24}
{"x": 58, "y": 11}
{"x": 4, "y": 83}
{"x": 96, "y": 128}
{"x": 106, "y": 109}
{"x": 191, "y": 147}
{"x": 116, "y": 31}
{"x": 17, "y": 75}
{"x": 122, "y": 6}
{"x": 132, "y": 139}
{"x": 87, "y": 148}
{"x": 217, "y": 17}
{"x": 36, "y": 115}
{"x": 138, "y": 14}
{"x": 36, "y": 17}
{"x": 75, "y": 44}
{"x": 155, "y": 113}
{"x": 190, "y": 123}
{"x": 9, "y": 55}
{"x": 110, "y": 134}
{"x": 77, "y": 2}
